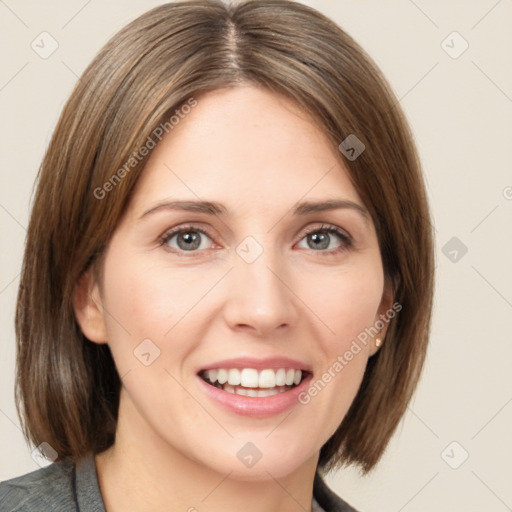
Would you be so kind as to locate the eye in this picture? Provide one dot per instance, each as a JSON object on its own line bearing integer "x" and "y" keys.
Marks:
{"x": 186, "y": 238}
{"x": 322, "y": 238}
{"x": 327, "y": 239}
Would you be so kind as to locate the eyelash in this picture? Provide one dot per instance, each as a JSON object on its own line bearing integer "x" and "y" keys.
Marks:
{"x": 346, "y": 240}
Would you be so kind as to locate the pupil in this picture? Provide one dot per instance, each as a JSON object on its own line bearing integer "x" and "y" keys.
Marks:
{"x": 191, "y": 240}
{"x": 322, "y": 239}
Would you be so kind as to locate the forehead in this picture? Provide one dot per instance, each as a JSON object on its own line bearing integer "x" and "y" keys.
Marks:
{"x": 246, "y": 147}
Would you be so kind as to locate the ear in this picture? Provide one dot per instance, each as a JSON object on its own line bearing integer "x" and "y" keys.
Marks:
{"x": 384, "y": 315}
{"x": 88, "y": 308}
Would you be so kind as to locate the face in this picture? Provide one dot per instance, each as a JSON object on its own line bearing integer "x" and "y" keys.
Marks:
{"x": 228, "y": 298}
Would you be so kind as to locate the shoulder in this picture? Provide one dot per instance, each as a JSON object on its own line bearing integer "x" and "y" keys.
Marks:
{"x": 327, "y": 499}
{"x": 49, "y": 488}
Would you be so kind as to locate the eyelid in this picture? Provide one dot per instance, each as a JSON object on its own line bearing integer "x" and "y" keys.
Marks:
{"x": 326, "y": 226}
{"x": 171, "y": 232}
{"x": 347, "y": 242}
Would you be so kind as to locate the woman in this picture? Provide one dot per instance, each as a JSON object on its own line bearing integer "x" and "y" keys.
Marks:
{"x": 228, "y": 276}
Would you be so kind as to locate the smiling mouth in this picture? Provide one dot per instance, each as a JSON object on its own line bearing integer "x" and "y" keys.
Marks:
{"x": 253, "y": 383}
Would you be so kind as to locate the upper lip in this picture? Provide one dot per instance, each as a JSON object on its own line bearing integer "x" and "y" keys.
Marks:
{"x": 258, "y": 363}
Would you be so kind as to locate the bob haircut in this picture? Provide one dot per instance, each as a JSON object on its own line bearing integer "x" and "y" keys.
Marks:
{"x": 67, "y": 388}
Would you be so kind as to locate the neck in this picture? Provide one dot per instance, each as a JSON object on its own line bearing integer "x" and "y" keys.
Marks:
{"x": 143, "y": 472}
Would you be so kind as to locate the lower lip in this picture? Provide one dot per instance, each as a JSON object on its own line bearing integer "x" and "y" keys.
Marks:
{"x": 257, "y": 407}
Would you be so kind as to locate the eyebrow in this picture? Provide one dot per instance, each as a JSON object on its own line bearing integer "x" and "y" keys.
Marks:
{"x": 219, "y": 210}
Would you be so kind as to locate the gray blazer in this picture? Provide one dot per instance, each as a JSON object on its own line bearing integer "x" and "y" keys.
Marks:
{"x": 67, "y": 487}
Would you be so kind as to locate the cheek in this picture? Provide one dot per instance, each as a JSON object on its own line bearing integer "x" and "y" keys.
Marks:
{"x": 142, "y": 303}
{"x": 348, "y": 306}
{"x": 148, "y": 300}
{"x": 348, "y": 303}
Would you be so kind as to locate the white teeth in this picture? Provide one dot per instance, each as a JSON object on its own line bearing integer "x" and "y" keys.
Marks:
{"x": 267, "y": 392}
{"x": 234, "y": 377}
{"x": 268, "y": 381}
{"x": 212, "y": 375}
{"x": 260, "y": 393}
{"x": 222, "y": 376}
{"x": 290, "y": 375}
{"x": 249, "y": 378}
{"x": 281, "y": 377}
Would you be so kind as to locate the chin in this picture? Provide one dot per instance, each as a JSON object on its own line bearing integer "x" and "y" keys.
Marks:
{"x": 253, "y": 458}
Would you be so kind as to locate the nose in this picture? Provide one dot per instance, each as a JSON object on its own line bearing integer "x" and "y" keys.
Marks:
{"x": 260, "y": 297}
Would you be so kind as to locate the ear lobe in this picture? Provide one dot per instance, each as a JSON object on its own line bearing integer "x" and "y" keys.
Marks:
{"x": 88, "y": 308}
{"x": 383, "y": 316}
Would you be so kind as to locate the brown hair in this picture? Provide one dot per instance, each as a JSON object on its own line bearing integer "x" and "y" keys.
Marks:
{"x": 68, "y": 388}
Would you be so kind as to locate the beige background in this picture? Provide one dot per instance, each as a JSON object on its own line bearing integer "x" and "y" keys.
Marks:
{"x": 460, "y": 110}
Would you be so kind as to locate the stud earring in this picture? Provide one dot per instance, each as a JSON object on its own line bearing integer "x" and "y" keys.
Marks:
{"x": 378, "y": 342}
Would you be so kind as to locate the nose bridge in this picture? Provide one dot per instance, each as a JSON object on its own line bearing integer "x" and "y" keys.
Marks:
{"x": 259, "y": 297}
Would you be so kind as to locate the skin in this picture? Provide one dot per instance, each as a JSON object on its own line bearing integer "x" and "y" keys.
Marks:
{"x": 258, "y": 154}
